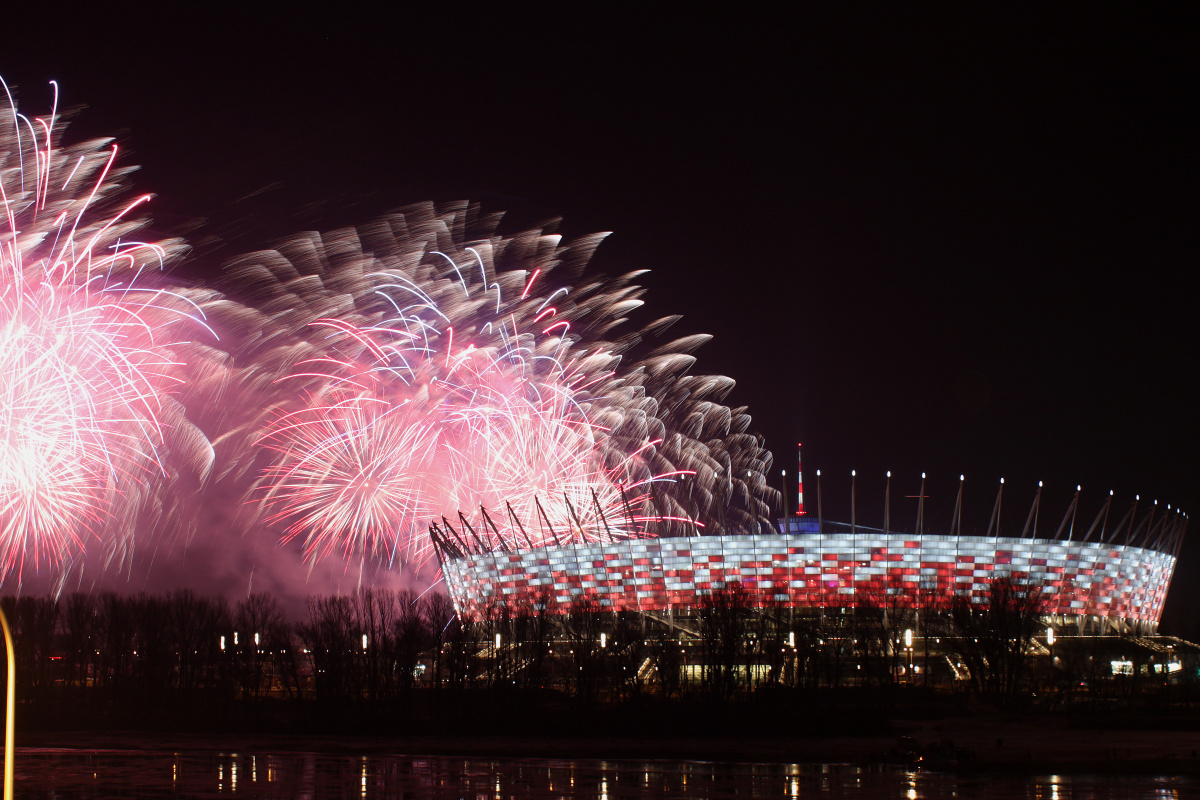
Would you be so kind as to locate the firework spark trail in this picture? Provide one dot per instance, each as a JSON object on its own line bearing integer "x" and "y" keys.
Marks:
{"x": 385, "y": 376}
{"x": 422, "y": 365}
{"x": 414, "y": 434}
{"x": 84, "y": 357}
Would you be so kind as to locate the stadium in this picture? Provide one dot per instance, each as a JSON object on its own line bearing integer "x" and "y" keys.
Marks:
{"x": 1109, "y": 579}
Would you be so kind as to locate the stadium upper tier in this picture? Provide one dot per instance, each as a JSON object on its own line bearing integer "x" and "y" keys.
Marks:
{"x": 808, "y": 569}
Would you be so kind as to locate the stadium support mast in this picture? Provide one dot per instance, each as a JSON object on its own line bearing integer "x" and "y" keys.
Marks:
{"x": 956, "y": 520}
{"x": 887, "y": 505}
{"x": 1030, "y": 529}
{"x": 787, "y": 526}
{"x": 921, "y": 507}
{"x": 853, "y": 484}
{"x": 994, "y": 524}
{"x": 820, "y": 516}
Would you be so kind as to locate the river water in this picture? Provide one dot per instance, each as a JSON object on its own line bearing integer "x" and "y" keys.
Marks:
{"x": 95, "y": 774}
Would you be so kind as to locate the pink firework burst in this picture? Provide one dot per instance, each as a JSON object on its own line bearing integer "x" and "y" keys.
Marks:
{"x": 407, "y": 427}
{"x": 83, "y": 363}
{"x": 422, "y": 366}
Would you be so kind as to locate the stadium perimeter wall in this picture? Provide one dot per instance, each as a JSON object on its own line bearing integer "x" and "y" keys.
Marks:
{"x": 813, "y": 570}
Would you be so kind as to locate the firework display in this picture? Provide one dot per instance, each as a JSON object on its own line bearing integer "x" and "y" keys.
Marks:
{"x": 424, "y": 368}
{"x": 88, "y": 432}
{"x": 419, "y": 391}
{"x": 366, "y": 384}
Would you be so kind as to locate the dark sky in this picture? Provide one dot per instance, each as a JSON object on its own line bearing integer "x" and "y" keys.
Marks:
{"x": 925, "y": 241}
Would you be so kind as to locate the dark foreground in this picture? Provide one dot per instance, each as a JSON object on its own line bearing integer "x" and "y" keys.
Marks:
{"x": 346, "y": 771}
{"x": 1027, "y": 746}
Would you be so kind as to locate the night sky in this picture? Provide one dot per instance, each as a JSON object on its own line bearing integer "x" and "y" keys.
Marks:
{"x": 927, "y": 241}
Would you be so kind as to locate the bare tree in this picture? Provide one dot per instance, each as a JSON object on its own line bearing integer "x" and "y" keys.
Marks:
{"x": 581, "y": 626}
{"x": 498, "y": 643}
{"x": 667, "y": 654}
{"x": 153, "y": 651}
{"x": 629, "y": 652}
{"x": 462, "y": 643}
{"x": 79, "y": 621}
{"x": 723, "y": 617}
{"x": 34, "y": 621}
{"x": 993, "y": 638}
{"x": 773, "y": 649}
{"x": 329, "y": 637}
{"x": 439, "y": 611}
{"x": 414, "y": 636}
{"x": 261, "y": 629}
{"x": 196, "y": 625}
{"x": 375, "y": 621}
{"x": 532, "y": 627}
{"x": 117, "y": 630}
{"x": 884, "y": 610}
{"x": 832, "y": 636}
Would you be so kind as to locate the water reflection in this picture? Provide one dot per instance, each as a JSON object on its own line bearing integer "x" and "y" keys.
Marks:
{"x": 94, "y": 774}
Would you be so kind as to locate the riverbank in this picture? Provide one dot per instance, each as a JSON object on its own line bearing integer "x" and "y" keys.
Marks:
{"x": 1041, "y": 746}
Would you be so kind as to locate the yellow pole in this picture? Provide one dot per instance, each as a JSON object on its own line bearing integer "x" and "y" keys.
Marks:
{"x": 10, "y": 707}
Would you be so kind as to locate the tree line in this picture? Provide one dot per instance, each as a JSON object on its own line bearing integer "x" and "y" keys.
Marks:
{"x": 383, "y": 644}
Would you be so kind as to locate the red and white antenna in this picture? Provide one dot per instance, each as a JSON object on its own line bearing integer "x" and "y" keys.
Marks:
{"x": 799, "y": 483}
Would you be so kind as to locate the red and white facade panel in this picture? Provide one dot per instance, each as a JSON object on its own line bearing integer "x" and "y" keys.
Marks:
{"x": 815, "y": 570}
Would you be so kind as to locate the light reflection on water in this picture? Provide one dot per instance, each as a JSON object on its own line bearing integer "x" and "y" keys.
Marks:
{"x": 95, "y": 774}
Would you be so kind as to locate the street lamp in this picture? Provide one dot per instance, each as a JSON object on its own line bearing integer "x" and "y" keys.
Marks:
{"x": 9, "y": 707}
{"x": 908, "y": 645}
{"x": 1050, "y": 637}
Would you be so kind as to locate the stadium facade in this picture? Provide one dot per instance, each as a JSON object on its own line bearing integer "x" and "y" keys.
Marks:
{"x": 1114, "y": 580}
